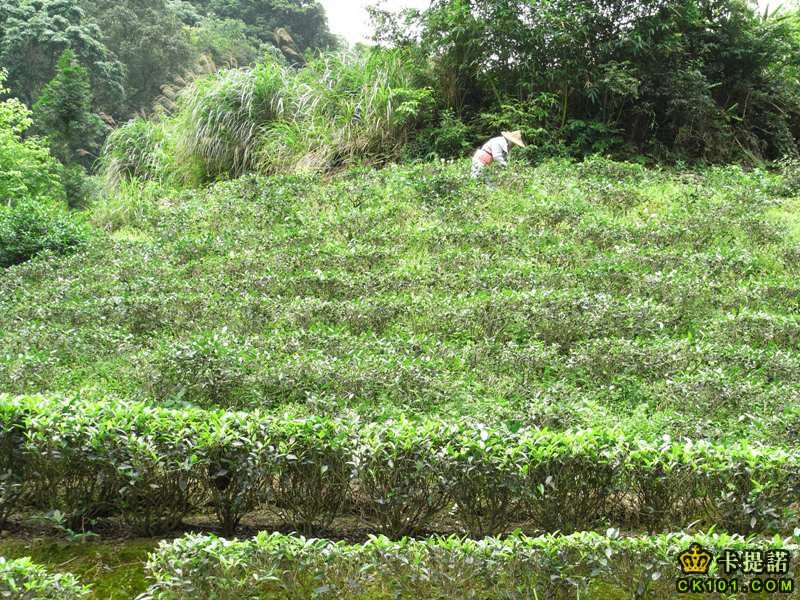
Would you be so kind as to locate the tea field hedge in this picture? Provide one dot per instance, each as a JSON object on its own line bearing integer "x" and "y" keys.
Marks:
{"x": 152, "y": 467}
{"x": 580, "y": 565}
{"x": 569, "y": 295}
{"x": 23, "y": 580}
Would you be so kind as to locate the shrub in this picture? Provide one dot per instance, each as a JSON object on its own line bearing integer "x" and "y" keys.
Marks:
{"x": 310, "y": 484}
{"x": 132, "y": 205}
{"x": 662, "y": 482}
{"x": 484, "y": 471}
{"x": 152, "y": 466}
{"x": 68, "y": 462}
{"x": 12, "y": 472}
{"x": 21, "y": 579}
{"x": 571, "y": 479}
{"x": 449, "y": 138}
{"x": 27, "y": 169}
{"x": 157, "y": 468}
{"x": 235, "y": 459}
{"x": 790, "y": 171}
{"x": 206, "y": 369}
{"x": 401, "y": 485}
{"x": 739, "y": 494}
{"x": 140, "y": 149}
{"x": 556, "y": 566}
{"x": 29, "y": 227}
{"x": 80, "y": 189}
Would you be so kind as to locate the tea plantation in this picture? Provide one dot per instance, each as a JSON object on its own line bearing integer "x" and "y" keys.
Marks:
{"x": 543, "y": 385}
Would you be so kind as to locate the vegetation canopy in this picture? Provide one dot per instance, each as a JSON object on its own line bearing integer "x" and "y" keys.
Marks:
{"x": 262, "y": 334}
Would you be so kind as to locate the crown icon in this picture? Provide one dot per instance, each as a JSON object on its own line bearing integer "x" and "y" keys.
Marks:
{"x": 695, "y": 560}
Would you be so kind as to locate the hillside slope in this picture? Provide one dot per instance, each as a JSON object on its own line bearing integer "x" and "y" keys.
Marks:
{"x": 568, "y": 295}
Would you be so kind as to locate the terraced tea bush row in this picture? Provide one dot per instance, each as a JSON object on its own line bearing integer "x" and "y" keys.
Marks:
{"x": 153, "y": 466}
{"x": 666, "y": 301}
{"x": 22, "y": 580}
{"x": 587, "y": 564}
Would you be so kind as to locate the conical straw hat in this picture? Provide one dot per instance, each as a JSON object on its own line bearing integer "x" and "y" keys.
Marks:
{"x": 515, "y": 137}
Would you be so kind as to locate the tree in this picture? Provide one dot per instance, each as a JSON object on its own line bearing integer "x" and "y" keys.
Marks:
{"x": 704, "y": 79}
{"x": 305, "y": 20}
{"x": 224, "y": 41}
{"x": 151, "y": 39}
{"x": 34, "y": 33}
{"x": 27, "y": 170}
{"x": 64, "y": 113}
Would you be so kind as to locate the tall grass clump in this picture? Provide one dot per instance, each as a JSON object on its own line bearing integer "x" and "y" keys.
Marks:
{"x": 341, "y": 109}
{"x": 140, "y": 149}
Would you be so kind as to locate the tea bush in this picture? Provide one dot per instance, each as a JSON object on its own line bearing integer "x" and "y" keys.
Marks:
{"x": 310, "y": 483}
{"x": 22, "y": 580}
{"x": 401, "y": 480}
{"x": 236, "y": 466}
{"x": 489, "y": 489}
{"x": 573, "y": 479}
{"x": 413, "y": 291}
{"x": 209, "y": 369}
{"x": 156, "y": 465}
{"x": 583, "y": 564}
{"x": 28, "y": 228}
{"x": 12, "y": 477}
{"x": 153, "y": 466}
{"x": 68, "y": 471}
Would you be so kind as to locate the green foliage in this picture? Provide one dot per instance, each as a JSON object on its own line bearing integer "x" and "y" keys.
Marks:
{"x": 338, "y": 111}
{"x": 149, "y": 38}
{"x": 32, "y": 219}
{"x": 311, "y": 481}
{"x": 573, "y": 480}
{"x": 488, "y": 467}
{"x": 151, "y": 467}
{"x": 703, "y": 80}
{"x": 790, "y": 169}
{"x": 208, "y": 369}
{"x": 33, "y": 36}
{"x": 141, "y": 150}
{"x": 28, "y": 228}
{"x": 571, "y": 295}
{"x": 401, "y": 482}
{"x": 64, "y": 113}
{"x": 12, "y": 478}
{"x": 304, "y": 19}
{"x": 536, "y": 117}
{"x": 79, "y": 188}
{"x": 416, "y": 353}
{"x": 278, "y": 566}
{"x": 21, "y": 579}
{"x": 236, "y": 460}
{"x": 128, "y": 208}
{"x": 224, "y": 40}
{"x": 27, "y": 170}
{"x": 155, "y": 463}
{"x": 447, "y": 139}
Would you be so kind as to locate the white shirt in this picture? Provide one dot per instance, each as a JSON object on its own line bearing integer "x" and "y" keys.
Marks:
{"x": 498, "y": 148}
